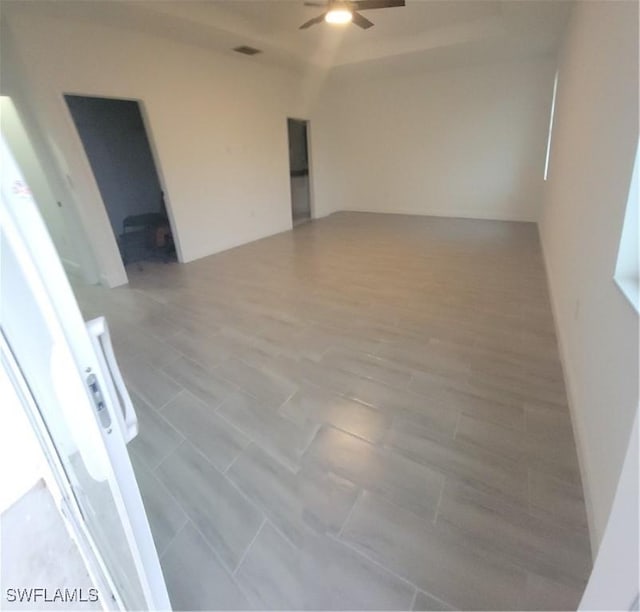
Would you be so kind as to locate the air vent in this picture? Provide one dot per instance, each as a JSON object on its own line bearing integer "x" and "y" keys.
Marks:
{"x": 247, "y": 50}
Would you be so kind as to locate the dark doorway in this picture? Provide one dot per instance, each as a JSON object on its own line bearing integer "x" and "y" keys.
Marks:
{"x": 299, "y": 171}
{"x": 116, "y": 143}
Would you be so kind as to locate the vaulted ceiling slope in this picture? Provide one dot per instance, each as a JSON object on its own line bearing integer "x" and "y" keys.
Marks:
{"x": 424, "y": 33}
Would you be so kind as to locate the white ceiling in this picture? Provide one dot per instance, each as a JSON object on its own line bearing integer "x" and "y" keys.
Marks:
{"x": 424, "y": 33}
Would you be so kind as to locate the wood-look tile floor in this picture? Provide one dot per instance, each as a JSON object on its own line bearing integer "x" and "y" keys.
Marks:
{"x": 367, "y": 412}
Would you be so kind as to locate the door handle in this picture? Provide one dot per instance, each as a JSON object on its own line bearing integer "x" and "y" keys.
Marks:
{"x": 126, "y": 415}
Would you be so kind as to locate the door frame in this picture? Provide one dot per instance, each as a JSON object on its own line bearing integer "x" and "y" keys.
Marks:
{"x": 155, "y": 154}
{"x": 307, "y": 123}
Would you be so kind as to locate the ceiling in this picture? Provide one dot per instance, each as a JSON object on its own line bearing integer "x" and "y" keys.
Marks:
{"x": 424, "y": 33}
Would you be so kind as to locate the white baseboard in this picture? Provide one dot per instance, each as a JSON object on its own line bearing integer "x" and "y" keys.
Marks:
{"x": 471, "y": 215}
{"x": 72, "y": 266}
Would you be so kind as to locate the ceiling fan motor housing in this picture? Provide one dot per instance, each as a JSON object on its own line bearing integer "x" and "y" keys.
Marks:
{"x": 343, "y": 11}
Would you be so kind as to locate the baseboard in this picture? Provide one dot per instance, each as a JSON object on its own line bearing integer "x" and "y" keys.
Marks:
{"x": 235, "y": 244}
{"x": 72, "y": 266}
{"x": 108, "y": 282}
{"x": 470, "y": 215}
{"x": 576, "y": 422}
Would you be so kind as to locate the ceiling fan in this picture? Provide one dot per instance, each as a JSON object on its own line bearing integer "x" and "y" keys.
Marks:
{"x": 339, "y": 11}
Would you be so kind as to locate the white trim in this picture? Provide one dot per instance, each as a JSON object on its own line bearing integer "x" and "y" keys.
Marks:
{"x": 71, "y": 266}
{"x": 470, "y": 214}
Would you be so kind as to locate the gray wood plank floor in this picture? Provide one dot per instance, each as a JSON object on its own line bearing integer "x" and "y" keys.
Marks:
{"x": 367, "y": 412}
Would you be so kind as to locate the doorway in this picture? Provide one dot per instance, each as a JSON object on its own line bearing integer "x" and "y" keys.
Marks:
{"x": 299, "y": 170}
{"x": 115, "y": 139}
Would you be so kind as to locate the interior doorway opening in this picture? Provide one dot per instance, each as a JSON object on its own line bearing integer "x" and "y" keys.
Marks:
{"x": 299, "y": 170}
{"x": 117, "y": 145}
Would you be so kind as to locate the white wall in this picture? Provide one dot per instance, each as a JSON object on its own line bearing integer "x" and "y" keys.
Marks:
{"x": 217, "y": 122}
{"x": 614, "y": 582}
{"x": 23, "y": 152}
{"x": 466, "y": 142}
{"x": 594, "y": 141}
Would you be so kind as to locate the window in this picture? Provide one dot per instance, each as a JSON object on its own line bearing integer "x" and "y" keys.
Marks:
{"x": 627, "y": 273}
{"x": 553, "y": 110}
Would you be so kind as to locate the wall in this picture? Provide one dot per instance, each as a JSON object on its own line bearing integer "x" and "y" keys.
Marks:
{"x": 592, "y": 154}
{"x": 219, "y": 130}
{"x": 114, "y": 138}
{"x": 467, "y": 142}
{"x": 13, "y": 85}
{"x": 613, "y": 584}
{"x": 23, "y": 152}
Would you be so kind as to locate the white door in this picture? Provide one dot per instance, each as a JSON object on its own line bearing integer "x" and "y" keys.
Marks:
{"x": 70, "y": 383}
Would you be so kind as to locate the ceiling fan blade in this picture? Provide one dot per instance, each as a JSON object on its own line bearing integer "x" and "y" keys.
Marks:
{"x": 367, "y": 5}
{"x": 361, "y": 21}
{"x": 315, "y": 4}
{"x": 308, "y": 24}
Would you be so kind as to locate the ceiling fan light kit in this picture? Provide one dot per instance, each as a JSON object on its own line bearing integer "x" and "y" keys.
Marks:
{"x": 339, "y": 16}
{"x": 342, "y": 12}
